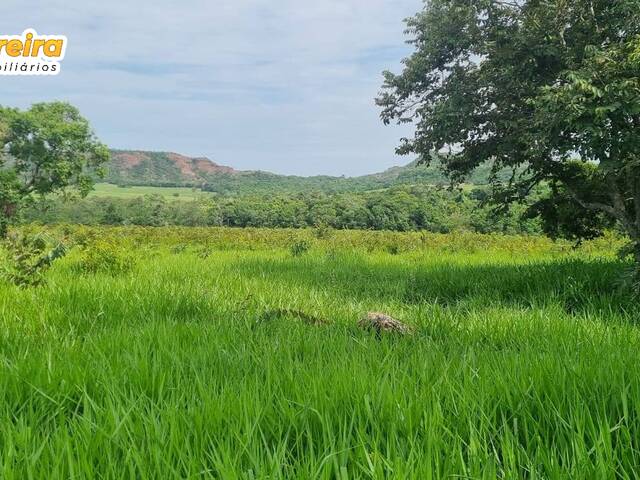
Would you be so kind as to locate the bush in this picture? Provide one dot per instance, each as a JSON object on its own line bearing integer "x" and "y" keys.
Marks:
{"x": 393, "y": 249}
{"x": 28, "y": 257}
{"x": 299, "y": 248}
{"x": 105, "y": 256}
{"x": 177, "y": 249}
{"x": 323, "y": 231}
{"x": 81, "y": 235}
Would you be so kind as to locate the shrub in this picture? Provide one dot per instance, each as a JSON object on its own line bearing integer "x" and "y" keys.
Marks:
{"x": 393, "y": 249}
{"x": 83, "y": 236}
{"x": 28, "y": 257}
{"x": 323, "y": 231}
{"x": 299, "y": 248}
{"x": 180, "y": 248}
{"x": 105, "y": 256}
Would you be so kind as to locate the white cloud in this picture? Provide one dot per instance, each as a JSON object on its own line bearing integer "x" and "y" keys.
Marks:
{"x": 280, "y": 85}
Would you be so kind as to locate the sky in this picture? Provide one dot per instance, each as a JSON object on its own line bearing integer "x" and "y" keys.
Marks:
{"x": 286, "y": 86}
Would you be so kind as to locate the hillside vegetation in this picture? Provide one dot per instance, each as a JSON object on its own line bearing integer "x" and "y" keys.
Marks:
{"x": 135, "y": 167}
{"x": 164, "y": 169}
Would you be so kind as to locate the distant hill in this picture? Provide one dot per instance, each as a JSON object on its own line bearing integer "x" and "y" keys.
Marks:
{"x": 168, "y": 169}
{"x": 134, "y": 167}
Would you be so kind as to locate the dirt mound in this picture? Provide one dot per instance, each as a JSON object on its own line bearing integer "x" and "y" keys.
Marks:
{"x": 381, "y": 322}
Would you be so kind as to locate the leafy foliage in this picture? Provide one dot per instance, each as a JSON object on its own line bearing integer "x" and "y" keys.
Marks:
{"x": 562, "y": 216}
{"x": 29, "y": 256}
{"x": 399, "y": 208}
{"x": 529, "y": 85}
{"x": 299, "y": 248}
{"x": 46, "y": 149}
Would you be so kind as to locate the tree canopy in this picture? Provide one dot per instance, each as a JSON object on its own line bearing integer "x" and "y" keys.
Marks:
{"x": 48, "y": 148}
{"x": 549, "y": 88}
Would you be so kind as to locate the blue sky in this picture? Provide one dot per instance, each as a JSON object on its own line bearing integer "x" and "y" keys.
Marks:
{"x": 280, "y": 85}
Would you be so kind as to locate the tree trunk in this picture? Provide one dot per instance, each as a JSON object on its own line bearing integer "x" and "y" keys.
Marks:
{"x": 8, "y": 210}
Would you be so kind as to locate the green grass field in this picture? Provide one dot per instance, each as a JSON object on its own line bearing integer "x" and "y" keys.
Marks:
{"x": 524, "y": 361}
{"x": 173, "y": 193}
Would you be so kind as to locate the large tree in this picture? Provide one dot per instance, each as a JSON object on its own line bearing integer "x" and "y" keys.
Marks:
{"x": 548, "y": 88}
{"x": 49, "y": 148}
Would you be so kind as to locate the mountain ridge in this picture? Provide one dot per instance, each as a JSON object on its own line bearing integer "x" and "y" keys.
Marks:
{"x": 170, "y": 169}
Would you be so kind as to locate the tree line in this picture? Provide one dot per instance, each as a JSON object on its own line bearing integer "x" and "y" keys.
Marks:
{"x": 403, "y": 208}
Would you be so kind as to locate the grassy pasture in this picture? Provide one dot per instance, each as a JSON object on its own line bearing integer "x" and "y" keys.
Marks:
{"x": 170, "y": 193}
{"x": 523, "y": 364}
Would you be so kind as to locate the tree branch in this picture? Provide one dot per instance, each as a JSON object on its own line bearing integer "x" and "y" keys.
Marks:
{"x": 612, "y": 210}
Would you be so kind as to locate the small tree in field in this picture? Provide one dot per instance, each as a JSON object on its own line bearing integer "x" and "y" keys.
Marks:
{"x": 549, "y": 88}
{"x": 49, "y": 148}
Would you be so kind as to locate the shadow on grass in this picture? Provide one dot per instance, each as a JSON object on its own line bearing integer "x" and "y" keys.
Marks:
{"x": 577, "y": 285}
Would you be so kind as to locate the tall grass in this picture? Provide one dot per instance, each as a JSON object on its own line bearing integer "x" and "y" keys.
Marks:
{"x": 523, "y": 365}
